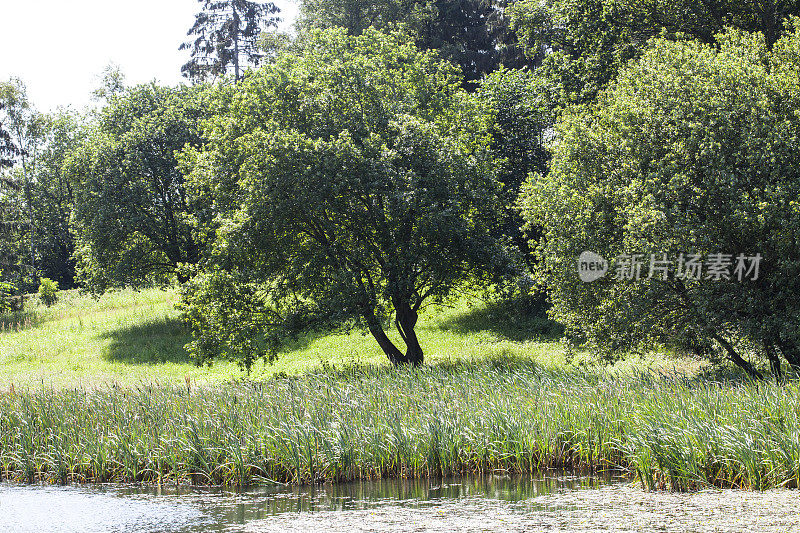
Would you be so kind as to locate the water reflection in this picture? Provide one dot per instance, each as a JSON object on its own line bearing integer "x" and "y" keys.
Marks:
{"x": 492, "y": 504}
{"x": 121, "y": 508}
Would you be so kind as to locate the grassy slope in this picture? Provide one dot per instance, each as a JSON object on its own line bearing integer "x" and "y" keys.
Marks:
{"x": 130, "y": 337}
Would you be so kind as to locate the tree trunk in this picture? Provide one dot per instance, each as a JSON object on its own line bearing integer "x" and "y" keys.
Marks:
{"x": 406, "y": 320}
{"x": 734, "y": 357}
{"x": 774, "y": 361}
{"x": 790, "y": 352}
{"x": 395, "y": 356}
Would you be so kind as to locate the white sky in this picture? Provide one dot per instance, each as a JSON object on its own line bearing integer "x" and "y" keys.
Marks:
{"x": 59, "y": 48}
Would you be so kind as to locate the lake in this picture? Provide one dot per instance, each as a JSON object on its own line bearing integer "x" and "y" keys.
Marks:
{"x": 552, "y": 503}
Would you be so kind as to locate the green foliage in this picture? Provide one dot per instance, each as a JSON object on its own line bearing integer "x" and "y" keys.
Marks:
{"x": 351, "y": 180}
{"x": 52, "y": 198}
{"x": 8, "y": 295}
{"x": 518, "y": 102}
{"x": 35, "y": 196}
{"x": 692, "y": 150}
{"x": 48, "y": 291}
{"x": 8, "y": 150}
{"x": 132, "y": 218}
{"x": 473, "y": 34}
{"x": 582, "y": 45}
{"x": 24, "y": 131}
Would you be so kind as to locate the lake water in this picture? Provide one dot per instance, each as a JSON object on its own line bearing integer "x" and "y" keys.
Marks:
{"x": 470, "y": 504}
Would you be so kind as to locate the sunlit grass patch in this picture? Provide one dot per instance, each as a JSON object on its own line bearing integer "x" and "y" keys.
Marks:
{"x": 128, "y": 337}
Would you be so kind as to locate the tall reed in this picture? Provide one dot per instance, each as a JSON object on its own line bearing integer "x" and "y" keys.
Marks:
{"x": 371, "y": 422}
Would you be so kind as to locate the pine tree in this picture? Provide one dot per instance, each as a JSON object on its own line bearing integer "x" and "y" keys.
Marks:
{"x": 226, "y": 34}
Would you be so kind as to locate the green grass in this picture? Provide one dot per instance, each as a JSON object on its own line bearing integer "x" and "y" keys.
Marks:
{"x": 129, "y": 338}
{"x": 505, "y": 415}
{"x": 102, "y": 390}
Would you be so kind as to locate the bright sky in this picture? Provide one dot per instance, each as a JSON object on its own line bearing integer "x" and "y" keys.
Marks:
{"x": 59, "y": 48}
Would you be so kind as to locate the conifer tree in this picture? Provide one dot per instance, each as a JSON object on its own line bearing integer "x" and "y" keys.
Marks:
{"x": 226, "y": 37}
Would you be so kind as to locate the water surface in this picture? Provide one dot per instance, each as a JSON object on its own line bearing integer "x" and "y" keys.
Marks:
{"x": 547, "y": 503}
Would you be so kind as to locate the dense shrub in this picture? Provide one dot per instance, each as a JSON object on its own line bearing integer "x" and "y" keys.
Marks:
{"x": 48, "y": 291}
{"x": 8, "y": 297}
{"x": 692, "y": 151}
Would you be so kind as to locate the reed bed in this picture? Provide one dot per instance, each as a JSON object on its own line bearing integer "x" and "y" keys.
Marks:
{"x": 670, "y": 432}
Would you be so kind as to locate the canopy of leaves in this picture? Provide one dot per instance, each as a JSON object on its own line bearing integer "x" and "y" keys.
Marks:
{"x": 132, "y": 215}
{"x": 584, "y": 43}
{"x": 693, "y": 150}
{"x": 351, "y": 180}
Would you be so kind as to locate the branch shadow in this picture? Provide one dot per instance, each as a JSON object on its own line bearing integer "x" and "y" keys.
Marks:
{"x": 159, "y": 340}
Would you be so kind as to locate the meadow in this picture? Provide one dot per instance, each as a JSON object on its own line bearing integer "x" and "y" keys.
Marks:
{"x": 102, "y": 391}
{"x": 132, "y": 337}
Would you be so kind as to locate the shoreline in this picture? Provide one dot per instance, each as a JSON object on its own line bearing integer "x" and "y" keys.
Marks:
{"x": 672, "y": 433}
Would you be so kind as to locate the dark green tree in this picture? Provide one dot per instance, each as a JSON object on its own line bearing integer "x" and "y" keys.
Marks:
{"x": 583, "y": 44}
{"x": 475, "y": 34}
{"x": 691, "y": 151}
{"x": 353, "y": 182}
{"x": 226, "y": 36}
{"x": 132, "y": 217}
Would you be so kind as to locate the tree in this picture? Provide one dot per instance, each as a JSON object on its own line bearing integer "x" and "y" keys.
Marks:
{"x": 352, "y": 181}
{"x": 37, "y": 198}
{"x": 227, "y": 36}
{"x": 691, "y": 151}
{"x": 474, "y": 34}
{"x": 8, "y": 193}
{"x": 26, "y": 130}
{"x": 8, "y": 150}
{"x": 53, "y": 198}
{"x": 518, "y": 104}
{"x": 112, "y": 82}
{"x": 583, "y": 45}
{"x": 132, "y": 217}
{"x": 12, "y": 238}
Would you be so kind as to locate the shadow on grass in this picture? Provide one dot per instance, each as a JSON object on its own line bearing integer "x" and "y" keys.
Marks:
{"x": 159, "y": 340}
{"x": 514, "y": 320}
{"x": 502, "y": 363}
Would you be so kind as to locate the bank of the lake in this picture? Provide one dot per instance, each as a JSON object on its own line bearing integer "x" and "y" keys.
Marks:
{"x": 501, "y": 416}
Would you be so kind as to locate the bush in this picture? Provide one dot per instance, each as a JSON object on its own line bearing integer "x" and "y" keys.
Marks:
{"x": 48, "y": 291}
{"x": 8, "y": 297}
{"x": 692, "y": 151}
